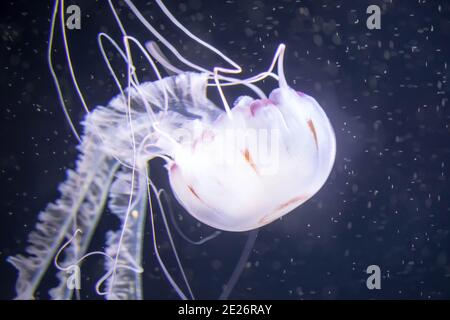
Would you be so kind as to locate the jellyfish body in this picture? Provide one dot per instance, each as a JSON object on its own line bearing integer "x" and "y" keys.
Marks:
{"x": 244, "y": 171}
{"x": 234, "y": 169}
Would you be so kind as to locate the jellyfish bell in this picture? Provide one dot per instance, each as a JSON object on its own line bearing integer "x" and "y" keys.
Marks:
{"x": 237, "y": 171}
{"x": 222, "y": 177}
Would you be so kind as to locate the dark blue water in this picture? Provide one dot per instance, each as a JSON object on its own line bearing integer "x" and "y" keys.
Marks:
{"x": 385, "y": 91}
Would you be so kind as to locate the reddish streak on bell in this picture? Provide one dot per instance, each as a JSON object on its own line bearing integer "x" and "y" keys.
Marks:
{"x": 257, "y": 104}
{"x": 313, "y": 130}
{"x": 191, "y": 189}
{"x": 264, "y": 220}
{"x": 250, "y": 161}
{"x": 292, "y": 201}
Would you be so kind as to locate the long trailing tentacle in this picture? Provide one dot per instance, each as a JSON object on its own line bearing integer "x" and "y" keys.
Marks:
{"x": 59, "y": 7}
{"x": 120, "y": 239}
{"x": 240, "y": 265}
{"x": 122, "y": 236}
{"x": 126, "y": 244}
{"x": 53, "y": 73}
{"x": 69, "y": 59}
{"x": 169, "y": 234}
{"x": 80, "y": 204}
{"x": 166, "y": 272}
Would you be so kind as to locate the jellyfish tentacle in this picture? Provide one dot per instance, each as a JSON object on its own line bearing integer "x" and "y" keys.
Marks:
{"x": 82, "y": 198}
{"x": 124, "y": 255}
{"x": 217, "y": 70}
{"x": 279, "y": 56}
{"x": 154, "y": 67}
{"x": 136, "y": 268}
{"x": 77, "y": 247}
{"x": 126, "y": 57}
{"x": 100, "y": 36}
{"x": 222, "y": 95}
{"x": 132, "y": 184}
{"x": 169, "y": 46}
{"x": 280, "y": 61}
{"x": 60, "y": 5}
{"x": 156, "y": 250}
{"x": 156, "y": 53}
{"x": 132, "y": 82}
{"x": 235, "y": 82}
{"x": 248, "y": 247}
{"x": 53, "y": 73}
{"x": 215, "y": 74}
{"x": 212, "y": 236}
{"x": 69, "y": 59}
{"x": 237, "y": 68}
{"x": 129, "y": 61}
{"x": 169, "y": 234}
{"x": 277, "y": 59}
{"x": 157, "y": 35}
{"x": 77, "y": 262}
{"x": 62, "y": 103}
{"x": 125, "y": 246}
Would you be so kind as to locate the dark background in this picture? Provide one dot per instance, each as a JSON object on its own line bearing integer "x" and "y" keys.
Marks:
{"x": 385, "y": 92}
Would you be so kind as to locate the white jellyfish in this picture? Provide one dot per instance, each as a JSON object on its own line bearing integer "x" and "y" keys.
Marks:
{"x": 244, "y": 189}
{"x": 233, "y": 168}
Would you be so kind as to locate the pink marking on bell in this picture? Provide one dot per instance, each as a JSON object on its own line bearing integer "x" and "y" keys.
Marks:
{"x": 301, "y": 94}
{"x": 257, "y": 104}
{"x": 275, "y": 96}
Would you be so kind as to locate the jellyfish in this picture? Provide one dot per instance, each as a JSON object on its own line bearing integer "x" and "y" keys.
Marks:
{"x": 234, "y": 168}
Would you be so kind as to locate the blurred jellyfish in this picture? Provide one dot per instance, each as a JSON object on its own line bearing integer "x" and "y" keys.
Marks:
{"x": 233, "y": 168}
